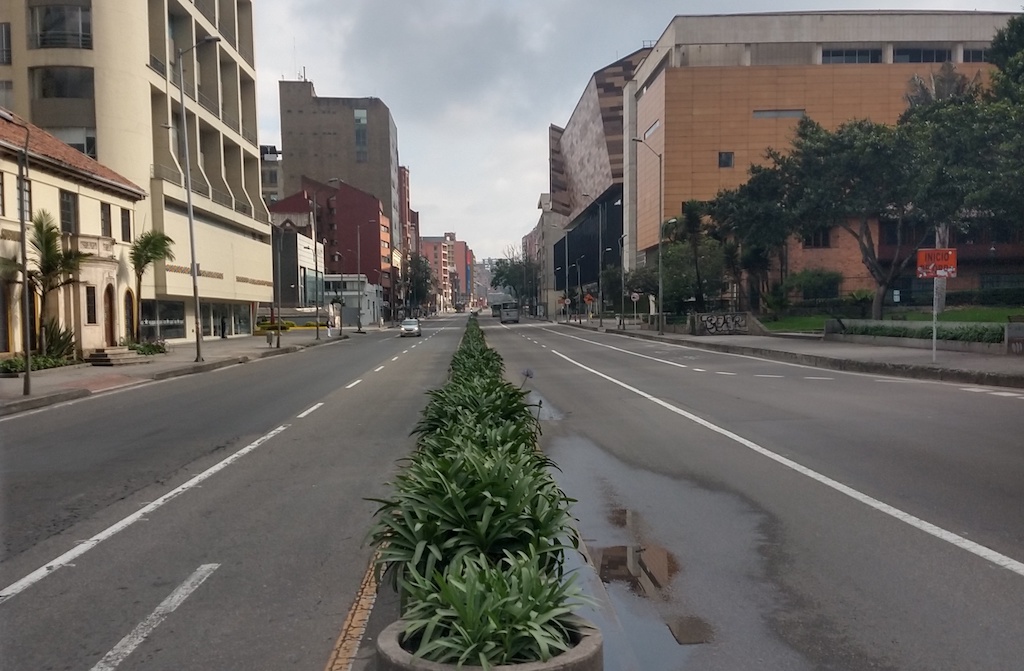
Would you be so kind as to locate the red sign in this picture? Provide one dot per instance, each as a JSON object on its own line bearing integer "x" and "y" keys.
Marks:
{"x": 588, "y": 299}
{"x": 932, "y": 263}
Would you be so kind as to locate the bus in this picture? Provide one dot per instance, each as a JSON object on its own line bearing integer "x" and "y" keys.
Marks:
{"x": 509, "y": 313}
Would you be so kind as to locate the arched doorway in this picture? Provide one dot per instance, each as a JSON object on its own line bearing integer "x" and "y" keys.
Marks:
{"x": 129, "y": 316}
{"x": 109, "y": 316}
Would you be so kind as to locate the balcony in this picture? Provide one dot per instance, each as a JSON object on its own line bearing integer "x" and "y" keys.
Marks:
{"x": 58, "y": 39}
{"x": 166, "y": 173}
{"x": 243, "y": 207}
{"x": 222, "y": 198}
{"x": 97, "y": 246}
{"x": 157, "y": 65}
{"x": 249, "y": 135}
{"x": 208, "y": 9}
{"x": 208, "y": 103}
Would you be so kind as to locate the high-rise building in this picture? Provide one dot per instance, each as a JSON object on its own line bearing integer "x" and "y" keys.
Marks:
{"x": 351, "y": 139}
{"x": 104, "y": 77}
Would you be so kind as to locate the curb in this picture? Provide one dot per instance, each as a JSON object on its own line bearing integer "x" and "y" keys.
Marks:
{"x": 33, "y": 402}
{"x": 913, "y": 371}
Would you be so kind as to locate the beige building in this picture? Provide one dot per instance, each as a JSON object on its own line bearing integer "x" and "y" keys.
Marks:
{"x": 103, "y": 77}
{"x": 717, "y": 91}
{"x": 95, "y": 209}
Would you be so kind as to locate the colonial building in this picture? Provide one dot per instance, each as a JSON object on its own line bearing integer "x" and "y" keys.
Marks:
{"x": 94, "y": 209}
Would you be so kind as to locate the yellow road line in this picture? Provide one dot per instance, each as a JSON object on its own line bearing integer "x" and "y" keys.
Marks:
{"x": 347, "y": 646}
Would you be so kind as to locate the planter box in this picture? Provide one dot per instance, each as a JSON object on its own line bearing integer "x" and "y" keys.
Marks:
{"x": 586, "y": 655}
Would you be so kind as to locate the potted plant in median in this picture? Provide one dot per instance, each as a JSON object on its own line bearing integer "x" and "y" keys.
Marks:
{"x": 474, "y": 535}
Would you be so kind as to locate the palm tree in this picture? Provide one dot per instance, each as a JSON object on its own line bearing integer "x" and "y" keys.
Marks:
{"x": 148, "y": 248}
{"x": 55, "y": 267}
{"x": 945, "y": 84}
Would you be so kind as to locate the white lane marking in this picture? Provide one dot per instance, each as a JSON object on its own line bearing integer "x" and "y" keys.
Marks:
{"x": 352, "y": 384}
{"x": 394, "y": 358}
{"x": 977, "y": 549}
{"x": 378, "y": 369}
{"x": 700, "y": 370}
{"x": 133, "y": 640}
{"x": 976, "y": 390}
{"x": 1003, "y": 393}
{"x": 778, "y": 377}
{"x": 80, "y": 549}
{"x": 310, "y": 411}
{"x": 812, "y": 377}
{"x": 722, "y": 372}
{"x": 405, "y": 352}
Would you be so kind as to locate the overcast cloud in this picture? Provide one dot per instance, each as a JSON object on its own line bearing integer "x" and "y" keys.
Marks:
{"x": 474, "y": 84}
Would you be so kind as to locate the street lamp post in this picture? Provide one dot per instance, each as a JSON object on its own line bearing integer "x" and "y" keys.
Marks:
{"x": 26, "y": 335}
{"x": 579, "y": 283}
{"x": 600, "y": 265}
{"x": 622, "y": 280}
{"x": 188, "y": 191}
{"x": 359, "y": 277}
{"x": 661, "y": 210}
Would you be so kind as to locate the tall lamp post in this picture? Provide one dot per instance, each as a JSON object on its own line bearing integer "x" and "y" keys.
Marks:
{"x": 579, "y": 283}
{"x": 26, "y": 335}
{"x": 661, "y": 209}
{"x": 359, "y": 277}
{"x": 188, "y": 191}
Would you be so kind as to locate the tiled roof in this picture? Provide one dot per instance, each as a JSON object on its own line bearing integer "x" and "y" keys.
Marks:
{"x": 46, "y": 147}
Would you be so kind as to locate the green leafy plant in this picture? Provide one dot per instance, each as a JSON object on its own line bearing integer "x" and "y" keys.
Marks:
{"x": 481, "y": 612}
{"x": 985, "y": 333}
{"x": 60, "y": 341}
{"x": 149, "y": 348}
{"x": 16, "y": 364}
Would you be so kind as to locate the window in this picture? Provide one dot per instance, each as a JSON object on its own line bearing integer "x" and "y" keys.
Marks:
{"x": 829, "y": 56}
{"x": 126, "y": 225}
{"x": 725, "y": 159}
{"x": 362, "y": 156}
{"x": 90, "y": 305}
{"x": 106, "y": 229}
{"x": 62, "y": 82}
{"x": 820, "y": 239}
{"x": 25, "y": 201}
{"x": 921, "y": 55}
{"x": 5, "y": 43}
{"x": 68, "y": 212}
{"x": 975, "y": 55}
{"x": 82, "y": 139}
{"x": 6, "y": 93}
{"x": 2, "y": 204}
{"x": 61, "y": 27}
{"x": 779, "y": 114}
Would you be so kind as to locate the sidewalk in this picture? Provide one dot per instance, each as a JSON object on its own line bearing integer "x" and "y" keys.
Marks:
{"x": 56, "y": 385}
{"x": 961, "y": 367}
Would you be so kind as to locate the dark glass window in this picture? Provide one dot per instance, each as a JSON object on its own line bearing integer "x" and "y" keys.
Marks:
{"x": 90, "y": 305}
{"x": 725, "y": 159}
{"x": 126, "y": 225}
{"x": 819, "y": 239}
{"x": 5, "y": 43}
{"x": 106, "y": 228}
{"x": 25, "y": 201}
{"x": 975, "y": 55}
{"x": 922, "y": 55}
{"x": 61, "y": 27}
{"x": 68, "y": 212}
{"x": 62, "y": 82}
{"x": 830, "y": 56}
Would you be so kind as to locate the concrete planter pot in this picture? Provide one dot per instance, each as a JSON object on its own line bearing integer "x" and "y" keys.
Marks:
{"x": 586, "y": 655}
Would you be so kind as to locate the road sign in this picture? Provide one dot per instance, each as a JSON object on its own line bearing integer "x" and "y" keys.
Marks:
{"x": 635, "y": 297}
{"x": 568, "y": 301}
{"x": 932, "y": 263}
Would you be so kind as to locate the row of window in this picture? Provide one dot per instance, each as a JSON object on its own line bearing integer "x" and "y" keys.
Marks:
{"x": 52, "y": 27}
{"x": 831, "y": 56}
{"x": 69, "y": 212}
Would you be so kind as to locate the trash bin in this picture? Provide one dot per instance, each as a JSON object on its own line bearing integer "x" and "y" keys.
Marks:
{"x": 270, "y": 338}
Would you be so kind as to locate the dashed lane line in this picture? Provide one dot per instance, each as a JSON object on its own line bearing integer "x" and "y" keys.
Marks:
{"x": 378, "y": 369}
{"x": 309, "y": 411}
{"x": 352, "y": 384}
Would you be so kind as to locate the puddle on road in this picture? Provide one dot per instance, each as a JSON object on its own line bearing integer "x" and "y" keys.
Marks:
{"x": 676, "y": 568}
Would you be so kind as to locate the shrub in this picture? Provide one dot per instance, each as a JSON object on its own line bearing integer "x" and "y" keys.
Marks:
{"x": 987, "y": 333}
{"x": 16, "y": 364}
{"x": 60, "y": 341}
{"x": 475, "y": 531}
{"x": 149, "y": 348}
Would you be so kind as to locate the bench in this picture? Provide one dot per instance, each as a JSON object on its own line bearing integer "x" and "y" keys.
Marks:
{"x": 1015, "y": 319}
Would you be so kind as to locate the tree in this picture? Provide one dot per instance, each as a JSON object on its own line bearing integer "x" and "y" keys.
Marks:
{"x": 54, "y": 268}
{"x": 691, "y": 273}
{"x": 1007, "y": 54}
{"x": 148, "y": 248}
{"x": 516, "y": 275}
{"x": 945, "y": 84}
{"x": 418, "y": 280}
{"x": 851, "y": 177}
{"x": 689, "y": 229}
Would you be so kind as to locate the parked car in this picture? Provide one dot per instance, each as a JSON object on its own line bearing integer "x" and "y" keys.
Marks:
{"x": 410, "y": 327}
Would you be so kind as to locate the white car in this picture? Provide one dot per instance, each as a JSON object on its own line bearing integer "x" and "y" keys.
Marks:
{"x": 410, "y": 327}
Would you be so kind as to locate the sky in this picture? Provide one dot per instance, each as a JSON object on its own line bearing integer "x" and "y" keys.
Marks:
{"x": 474, "y": 84}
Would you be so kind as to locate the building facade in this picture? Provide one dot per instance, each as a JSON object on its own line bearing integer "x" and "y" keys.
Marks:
{"x": 716, "y": 91}
{"x": 94, "y": 208}
{"x": 104, "y": 77}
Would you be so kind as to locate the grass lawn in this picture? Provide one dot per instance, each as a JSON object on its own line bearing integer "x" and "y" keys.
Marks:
{"x": 968, "y": 313}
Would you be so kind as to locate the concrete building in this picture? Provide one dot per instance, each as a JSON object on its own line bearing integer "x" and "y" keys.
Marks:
{"x": 351, "y": 139}
{"x": 440, "y": 255}
{"x": 585, "y": 189}
{"x": 717, "y": 91}
{"x": 271, "y": 174}
{"x": 103, "y": 77}
{"x": 94, "y": 207}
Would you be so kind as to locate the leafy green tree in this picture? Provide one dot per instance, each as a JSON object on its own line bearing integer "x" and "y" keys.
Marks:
{"x": 945, "y": 84}
{"x": 148, "y": 248}
{"x": 689, "y": 229}
{"x": 55, "y": 267}
{"x": 1007, "y": 54}
{"x": 692, "y": 273}
{"x": 851, "y": 177}
{"x": 418, "y": 280}
{"x": 516, "y": 275}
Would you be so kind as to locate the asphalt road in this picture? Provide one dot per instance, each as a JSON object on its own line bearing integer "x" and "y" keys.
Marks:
{"x": 253, "y": 567}
{"x": 792, "y": 518}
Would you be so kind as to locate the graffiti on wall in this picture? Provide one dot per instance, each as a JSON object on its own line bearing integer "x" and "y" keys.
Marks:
{"x": 723, "y": 323}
